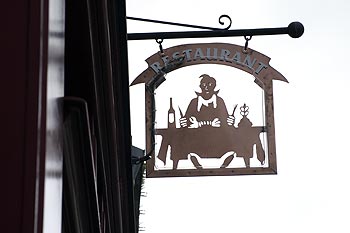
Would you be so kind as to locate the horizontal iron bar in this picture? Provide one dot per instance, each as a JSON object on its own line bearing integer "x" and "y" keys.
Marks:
{"x": 294, "y": 30}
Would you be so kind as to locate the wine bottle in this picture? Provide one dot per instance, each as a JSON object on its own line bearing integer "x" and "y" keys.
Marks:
{"x": 171, "y": 115}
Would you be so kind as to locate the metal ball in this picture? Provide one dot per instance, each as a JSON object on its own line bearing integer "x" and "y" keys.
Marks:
{"x": 295, "y": 29}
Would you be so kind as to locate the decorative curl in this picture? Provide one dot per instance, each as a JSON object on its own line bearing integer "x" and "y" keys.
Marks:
{"x": 223, "y": 23}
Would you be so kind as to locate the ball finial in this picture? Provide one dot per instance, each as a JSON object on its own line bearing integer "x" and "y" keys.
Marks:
{"x": 295, "y": 29}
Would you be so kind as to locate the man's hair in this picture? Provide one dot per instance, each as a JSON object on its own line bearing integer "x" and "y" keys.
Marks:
{"x": 206, "y": 78}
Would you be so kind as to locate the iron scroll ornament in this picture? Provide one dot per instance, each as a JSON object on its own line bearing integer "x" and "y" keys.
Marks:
{"x": 188, "y": 25}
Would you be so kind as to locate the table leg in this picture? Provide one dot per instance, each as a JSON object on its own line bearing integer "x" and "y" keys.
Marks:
{"x": 163, "y": 150}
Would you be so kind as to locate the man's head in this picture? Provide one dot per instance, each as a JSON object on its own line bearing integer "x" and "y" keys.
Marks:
{"x": 207, "y": 86}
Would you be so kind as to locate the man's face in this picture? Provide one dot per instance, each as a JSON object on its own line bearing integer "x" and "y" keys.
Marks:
{"x": 207, "y": 86}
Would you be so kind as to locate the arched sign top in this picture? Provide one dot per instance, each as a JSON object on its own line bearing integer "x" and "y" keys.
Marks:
{"x": 250, "y": 61}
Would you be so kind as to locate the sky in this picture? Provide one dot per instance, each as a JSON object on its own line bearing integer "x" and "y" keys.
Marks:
{"x": 311, "y": 191}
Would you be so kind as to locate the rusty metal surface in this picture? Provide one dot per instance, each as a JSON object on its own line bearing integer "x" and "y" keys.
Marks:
{"x": 252, "y": 62}
{"x": 207, "y": 130}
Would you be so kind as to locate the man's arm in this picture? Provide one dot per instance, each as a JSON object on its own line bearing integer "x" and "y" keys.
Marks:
{"x": 190, "y": 112}
{"x": 230, "y": 119}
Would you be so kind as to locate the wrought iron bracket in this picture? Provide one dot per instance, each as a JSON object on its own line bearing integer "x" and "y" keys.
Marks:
{"x": 187, "y": 25}
{"x": 294, "y": 30}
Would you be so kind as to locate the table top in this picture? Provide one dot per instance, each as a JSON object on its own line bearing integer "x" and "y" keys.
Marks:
{"x": 208, "y": 142}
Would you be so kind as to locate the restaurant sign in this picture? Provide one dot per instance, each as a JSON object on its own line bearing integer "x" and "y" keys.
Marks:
{"x": 207, "y": 132}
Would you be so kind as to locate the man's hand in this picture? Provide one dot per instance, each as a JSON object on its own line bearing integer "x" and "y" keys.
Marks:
{"x": 215, "y": 122}
{"x": 230, "y": 120}
{"x": 194, "y": 123}
{"x": 183, "y": 122}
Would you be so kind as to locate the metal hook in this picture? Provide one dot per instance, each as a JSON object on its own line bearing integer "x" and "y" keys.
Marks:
{"x": 247, "y": 39}
{"x": 160, "y": 41}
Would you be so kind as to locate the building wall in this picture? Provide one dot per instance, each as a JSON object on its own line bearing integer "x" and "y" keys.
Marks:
{"x": 32, "y": 83}
{"x": 27, "y": 60}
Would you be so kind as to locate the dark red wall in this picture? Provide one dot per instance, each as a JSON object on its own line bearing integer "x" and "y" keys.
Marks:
{"x": 22, "y": 113}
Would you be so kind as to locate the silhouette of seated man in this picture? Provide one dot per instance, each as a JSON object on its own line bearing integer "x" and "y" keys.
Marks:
{"x": 206, "y": 110}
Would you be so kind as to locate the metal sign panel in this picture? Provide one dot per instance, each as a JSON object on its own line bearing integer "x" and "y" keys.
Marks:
{"x": 206, "y": 137}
